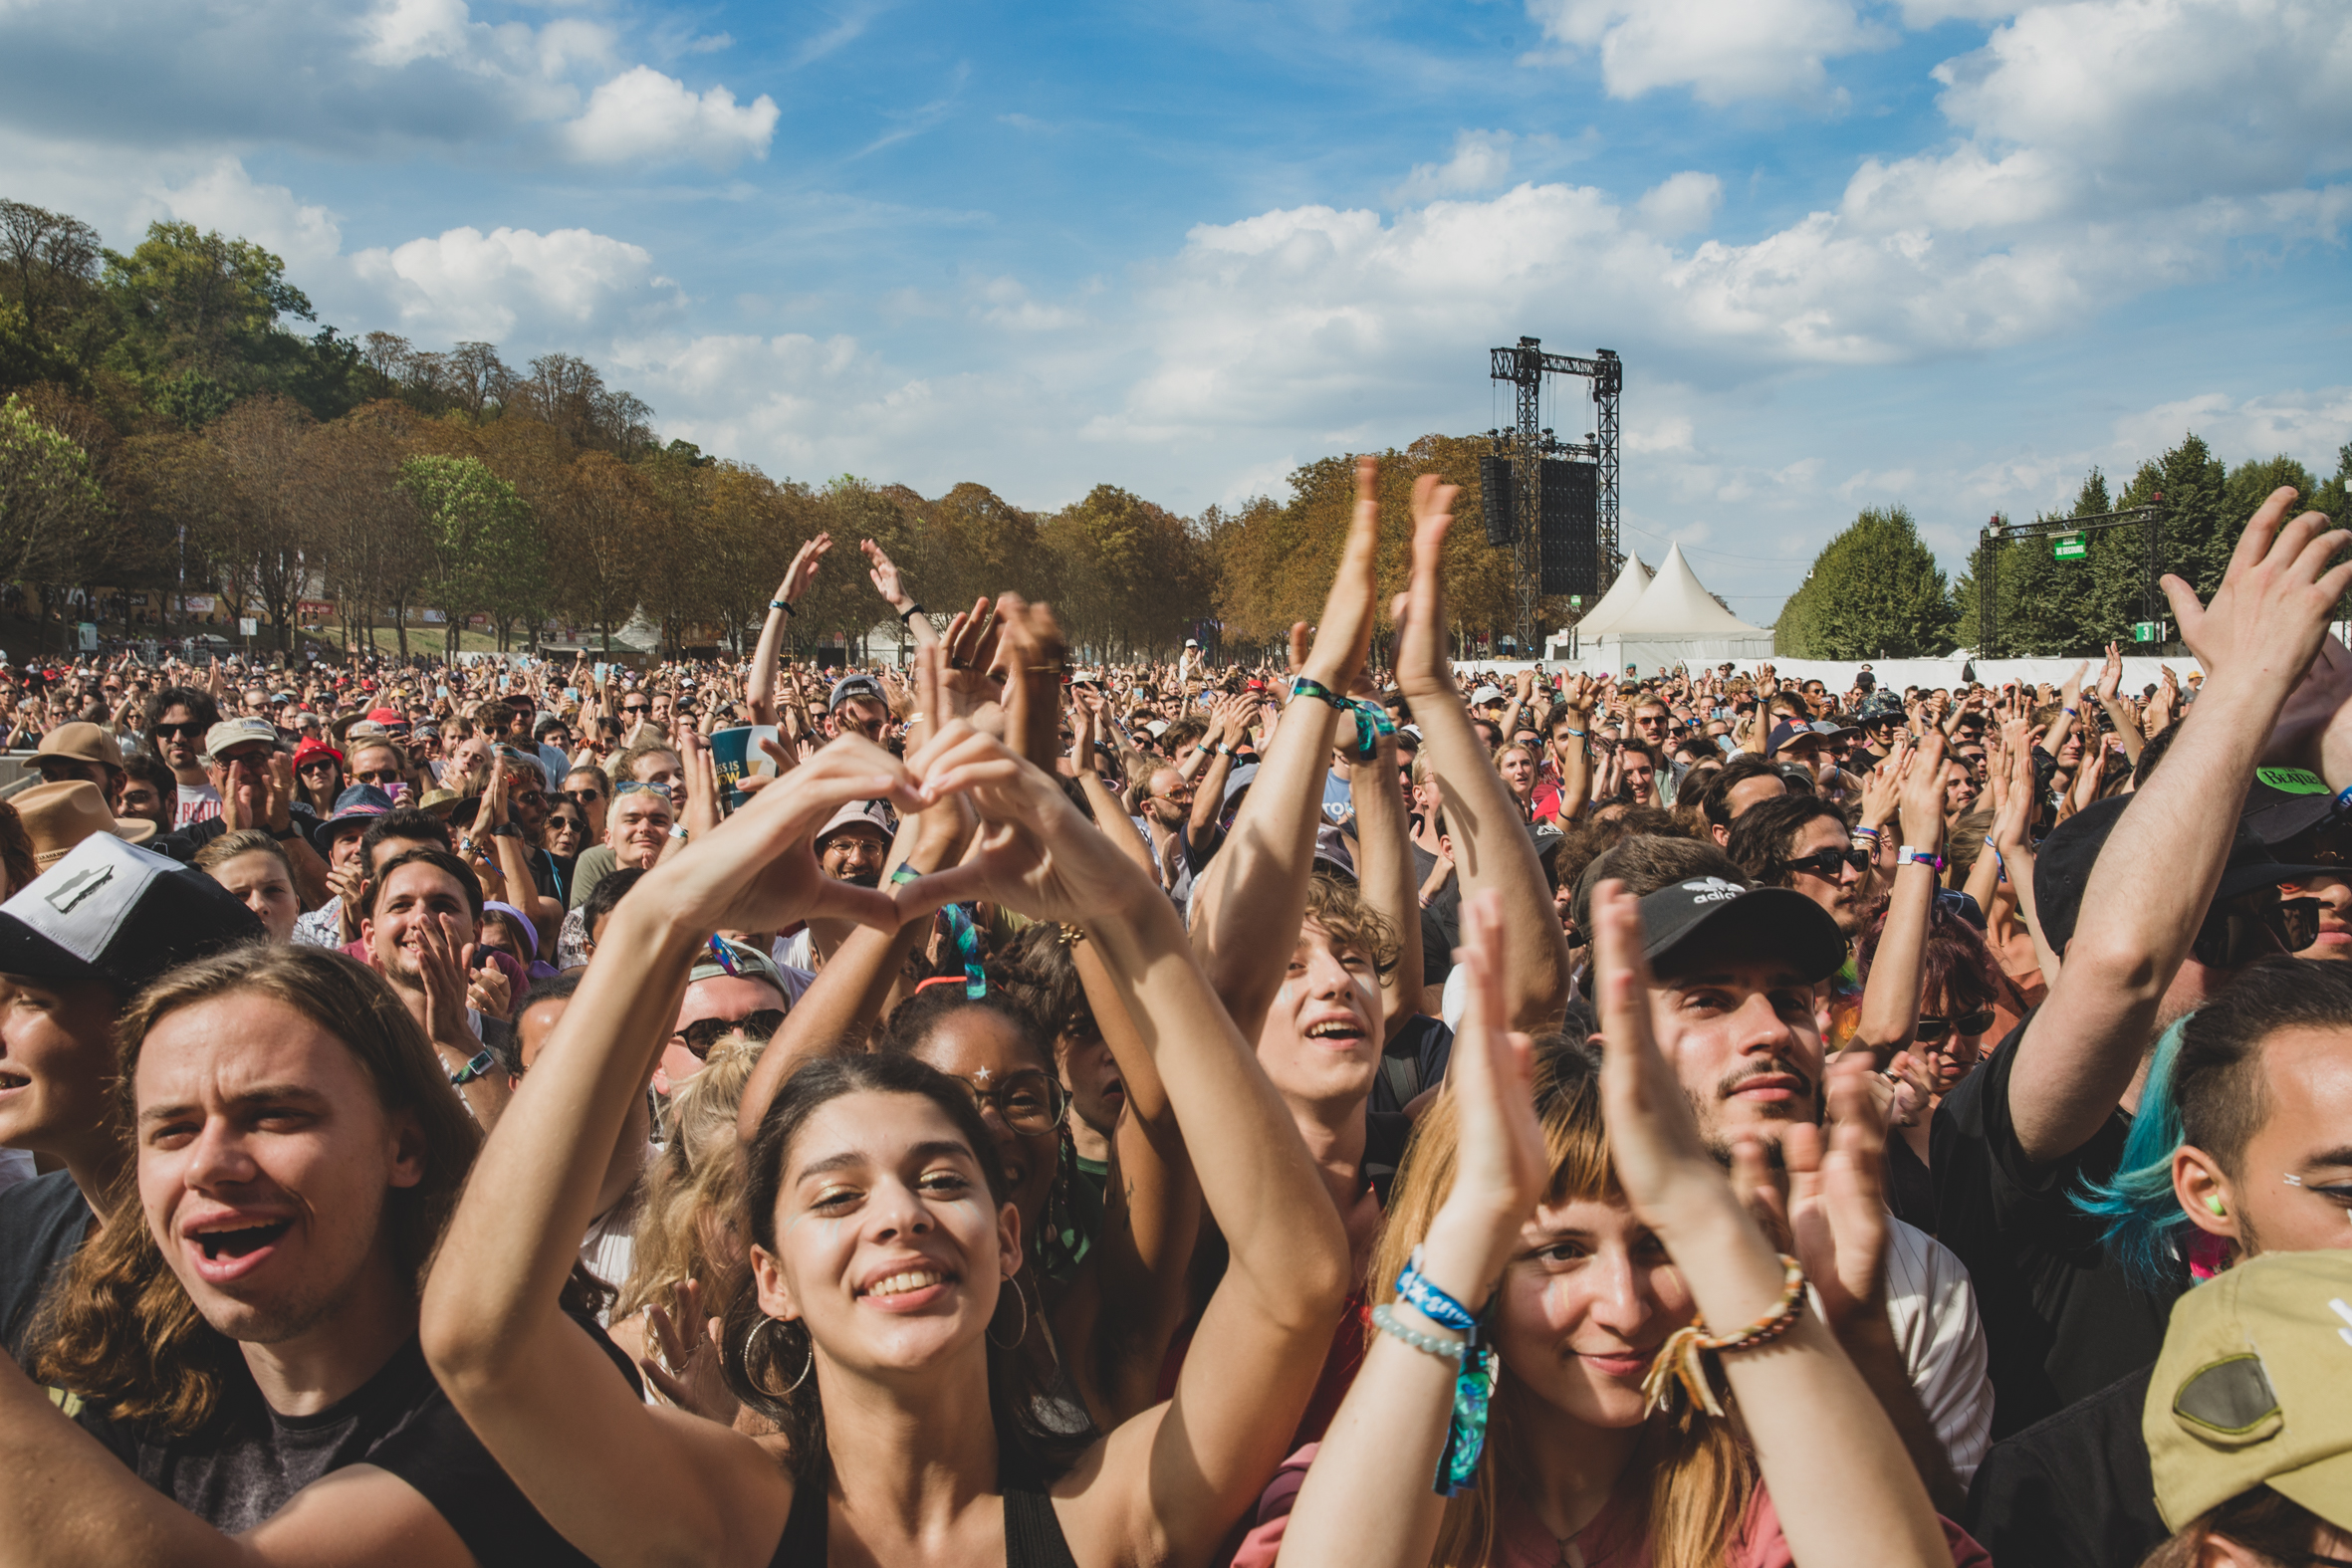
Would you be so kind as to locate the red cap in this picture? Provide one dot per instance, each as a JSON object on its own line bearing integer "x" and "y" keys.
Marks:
{"x": 387, "y": 716}
{"x": 310, "y": 749}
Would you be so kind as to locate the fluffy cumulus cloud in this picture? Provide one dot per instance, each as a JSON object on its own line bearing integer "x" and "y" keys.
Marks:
{"x": 1722, "y": 51}
{"x": 1481, "y": 162}
{"x": 643, "y": 116}
{"x": 464, "y": 284}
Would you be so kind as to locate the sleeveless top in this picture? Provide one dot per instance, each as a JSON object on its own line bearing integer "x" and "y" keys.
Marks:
{"x": 1033, "y": 1536}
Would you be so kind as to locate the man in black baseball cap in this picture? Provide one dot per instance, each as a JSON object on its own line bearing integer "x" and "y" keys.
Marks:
{"x": 75, "y": 943}
{"x": 859, "y": 703}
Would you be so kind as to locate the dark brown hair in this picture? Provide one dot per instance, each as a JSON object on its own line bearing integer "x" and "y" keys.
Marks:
{"x": 2265, "y": 1522}
{"x": 761, "y": 1362}
{"x": 120, "y": 1327}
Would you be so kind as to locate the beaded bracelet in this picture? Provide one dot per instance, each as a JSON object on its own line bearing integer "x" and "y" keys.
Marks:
{"x": 1384, "y": 1318}
{"x": 1678, "y": 1359}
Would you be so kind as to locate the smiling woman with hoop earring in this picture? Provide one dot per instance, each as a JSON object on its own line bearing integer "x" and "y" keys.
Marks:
{"x": 880, "y": 1238}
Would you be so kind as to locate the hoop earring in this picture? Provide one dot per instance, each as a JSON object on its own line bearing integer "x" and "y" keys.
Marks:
{"x": 753, "y": 1338}
{"x": 1020, "y": 1296}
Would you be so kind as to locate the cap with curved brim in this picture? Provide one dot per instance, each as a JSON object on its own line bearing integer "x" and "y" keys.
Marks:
{"x": 111, "y": 913}
{"x": 1686, "y": 923}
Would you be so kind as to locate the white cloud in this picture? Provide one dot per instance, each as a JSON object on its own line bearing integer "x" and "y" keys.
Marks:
{"x": 1680, "y": 204}
{"x": 1724, "y": 50}
{"x": 2307, "y": 425}
{"x": 1481, "y": 162}
{"x": 464, "y": 284}
{"x": 643, "y": 116}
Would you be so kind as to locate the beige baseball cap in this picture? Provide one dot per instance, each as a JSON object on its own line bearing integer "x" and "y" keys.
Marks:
{"x": 2253, "y": 1387}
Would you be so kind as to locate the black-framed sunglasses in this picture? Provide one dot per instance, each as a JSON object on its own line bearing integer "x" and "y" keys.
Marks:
{"x": 1931, "y": 1030}
{"x": 2254, "y": 925}
{"x": 179, "y": 732}
{"x": 700, "y": 1035}
{"x": 1829, "y": 863}
{"x": 558, "y": 824}
{"x": 636, "y": 706}
{"x": 376, "y": 775}
{"x": 1031, "y": 1102}
{"x": 584, "y": 797}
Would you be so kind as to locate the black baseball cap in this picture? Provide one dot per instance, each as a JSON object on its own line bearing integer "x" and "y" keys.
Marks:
{"x": 1709, "y": 910}
{"x": 2062, "y": 866}
{"x": 2287, "y": 802}
{"x": 118, "y": 915}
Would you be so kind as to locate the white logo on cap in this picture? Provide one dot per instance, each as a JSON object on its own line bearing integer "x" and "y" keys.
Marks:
{"x": 1712, "y": 890}
{"x": 77, "y": 887}
{"x": 2345, "y": 1312}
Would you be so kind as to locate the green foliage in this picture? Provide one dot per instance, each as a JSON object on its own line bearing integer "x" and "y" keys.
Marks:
{"x": 50, "y": 509}
{"x": 1874, "y": 593}
{"x": 487, "y": 555}
{"x": 191, "y": 399}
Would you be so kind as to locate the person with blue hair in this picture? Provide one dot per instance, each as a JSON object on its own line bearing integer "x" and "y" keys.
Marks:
{"x": 2242, "y": 1146}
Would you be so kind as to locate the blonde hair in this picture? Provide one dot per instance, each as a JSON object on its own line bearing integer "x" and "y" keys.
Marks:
{"x": 696, "y": 1184}
{"x": 1699, "y": 1475}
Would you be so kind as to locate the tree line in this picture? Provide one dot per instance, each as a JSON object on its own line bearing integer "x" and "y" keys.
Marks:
{"x": 1875, "y": 590}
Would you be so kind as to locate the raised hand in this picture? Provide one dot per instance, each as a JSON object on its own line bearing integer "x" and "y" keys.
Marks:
{"x": 1343, "y": 642}
{"x": 2110, "y": 675}
{"x": 1422, "y": 669}
{"x": 882, "y": 573}
{"x": 1032, "y": 656}
{"x": 969, "y": 688}
{"x": 1035, "y": 853}
{"x": 1836, "y": 1202}
{"x": 801, "y": 576}
{"x": 2272, "y": 607}
{"x": 1920, "y": 794}
{"x": 1502, "y": 1163}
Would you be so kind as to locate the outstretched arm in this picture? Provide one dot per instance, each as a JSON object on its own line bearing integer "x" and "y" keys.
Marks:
{"x": 1247, "y": 910}
{"x": 1890, "y": 998}
{"x": 1384, "y": 875}
{"x": 1491, "y": 844}
{"x": 884, "y": 575}
{"x": 1174, "y": 1480}
{"x": 2163, "y": 859}
{"x": 532, "y": 1386}
{"x": 760, "y": 689}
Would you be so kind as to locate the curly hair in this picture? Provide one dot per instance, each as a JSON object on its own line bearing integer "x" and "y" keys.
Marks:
{"x": 689, "y": 1226}
{"x": 1343, "y": 912}
{"x": 120, "y": 1327}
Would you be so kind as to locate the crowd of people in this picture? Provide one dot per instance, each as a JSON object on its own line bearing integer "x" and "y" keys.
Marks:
{"x": 1336, "y": 1111}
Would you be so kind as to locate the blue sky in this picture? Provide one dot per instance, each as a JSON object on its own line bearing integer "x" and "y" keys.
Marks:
{"x": 1950, "y": 253}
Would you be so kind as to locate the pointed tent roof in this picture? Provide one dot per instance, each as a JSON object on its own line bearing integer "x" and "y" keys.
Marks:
{"x": 1676, "y": 604}
{"x": 1623, "y": 595}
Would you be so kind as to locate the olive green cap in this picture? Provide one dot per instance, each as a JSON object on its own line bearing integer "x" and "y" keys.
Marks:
{"x": 2253, "y": 1387}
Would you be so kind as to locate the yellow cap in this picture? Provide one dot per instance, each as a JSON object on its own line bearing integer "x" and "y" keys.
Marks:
{"x": 2254, "y": 1387}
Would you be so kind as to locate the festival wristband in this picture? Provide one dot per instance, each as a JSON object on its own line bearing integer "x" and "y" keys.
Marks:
{"x": 481, "y": 1064}
{"x": 1473, "y": 1385}
{"x": 1908, "y": 855}
{"x": 782, "y": 605}
{"x": 959, "y": 929}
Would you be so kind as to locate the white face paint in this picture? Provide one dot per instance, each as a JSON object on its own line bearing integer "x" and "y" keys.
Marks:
{"x": 1286, "y": 1002}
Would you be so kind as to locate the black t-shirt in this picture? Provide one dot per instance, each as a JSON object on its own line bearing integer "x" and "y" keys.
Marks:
{"x": 42, "y": 1223}
{"x": 2060, "y": 1320}
{"x": 251, "y": 1460}
{"x": 1413, "y": 1061}
{"x": 2072, "y": 1491}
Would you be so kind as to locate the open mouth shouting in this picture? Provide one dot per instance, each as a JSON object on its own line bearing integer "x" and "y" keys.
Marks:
{"x": 229, "y": 1246}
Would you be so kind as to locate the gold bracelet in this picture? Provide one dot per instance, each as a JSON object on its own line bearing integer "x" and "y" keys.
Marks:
{"x": 1678, "y": 1359}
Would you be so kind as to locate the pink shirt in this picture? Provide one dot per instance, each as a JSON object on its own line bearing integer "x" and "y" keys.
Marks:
{"x": 1520, "y": 1541}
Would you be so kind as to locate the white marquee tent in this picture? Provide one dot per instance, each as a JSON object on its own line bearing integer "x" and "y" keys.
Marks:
{"x": 1671, "y": 620}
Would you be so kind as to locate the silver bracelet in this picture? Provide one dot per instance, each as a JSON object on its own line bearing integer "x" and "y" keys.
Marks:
{"x": 1386, "y": 1320}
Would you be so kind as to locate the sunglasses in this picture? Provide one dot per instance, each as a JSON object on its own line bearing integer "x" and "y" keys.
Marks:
{"x": 1031, "y": 1102}
{"x": 567, "y": 824}
{"x": 584, "y": 797}
{"x": 700, "y": 1035}
{"x": 636, "y": 706}
{"x": 2255, "y": 926}
{"x": 529, "y": 797}
{"x": 1931, "y": 1030}
{"x": 633, "y": 785}
{"x": 1828, "y": 863}
{"x": 179, "y": 732}
{"x": 377, "y": 775}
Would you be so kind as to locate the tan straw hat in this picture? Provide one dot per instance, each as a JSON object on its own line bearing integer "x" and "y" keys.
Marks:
{"x": 57, "y": 816}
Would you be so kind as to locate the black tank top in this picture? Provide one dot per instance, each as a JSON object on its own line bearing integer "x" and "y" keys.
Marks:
{"x": 1033, "y": 1536}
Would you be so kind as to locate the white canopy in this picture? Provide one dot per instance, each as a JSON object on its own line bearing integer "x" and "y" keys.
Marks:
{"x": 1676, "y": 604}
{"x": 1838, "y": 674}
{"x": 1623, "y": 595}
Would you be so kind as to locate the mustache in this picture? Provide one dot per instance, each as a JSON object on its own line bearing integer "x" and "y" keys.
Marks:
{"x": 1778, "y": 1067}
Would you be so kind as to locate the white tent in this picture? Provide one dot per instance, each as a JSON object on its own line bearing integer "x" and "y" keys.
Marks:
{"x": 1623, "y": 595}
{"x": 1950, "y": 672}
{"x": 1676, "y": 620}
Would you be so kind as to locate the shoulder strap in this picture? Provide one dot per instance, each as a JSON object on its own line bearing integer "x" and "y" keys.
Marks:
{"x": 1403, "y": 1077}
{"x": 1032, "y": 1534}
{"x": 804, "y": 1532}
